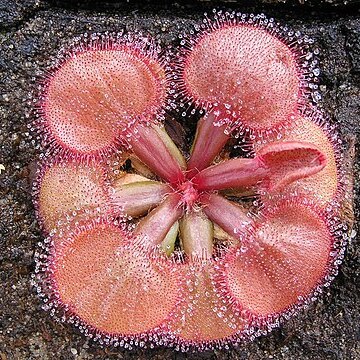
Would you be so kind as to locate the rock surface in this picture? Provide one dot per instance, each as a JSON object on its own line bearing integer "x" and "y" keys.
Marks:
{"x": 31, "y": 32}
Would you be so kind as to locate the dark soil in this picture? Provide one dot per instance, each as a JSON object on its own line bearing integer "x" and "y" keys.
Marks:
{"x": 31, "y": 32}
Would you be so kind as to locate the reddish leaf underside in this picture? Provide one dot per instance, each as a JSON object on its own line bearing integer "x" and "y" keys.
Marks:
{"x": 152, "y": 229}
{"x": 277, "y": 165}
{"x": 155, "y": 152}
{"x": 229, "y": 216}
{"x": 323, "y": 186}
{"x": 231, "y": 173}
{"x": 290, "y": 161}
{"x": 209, "y": 141}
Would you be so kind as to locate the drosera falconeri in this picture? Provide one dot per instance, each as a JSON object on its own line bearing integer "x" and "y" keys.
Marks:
{"x": 168, "y": 250}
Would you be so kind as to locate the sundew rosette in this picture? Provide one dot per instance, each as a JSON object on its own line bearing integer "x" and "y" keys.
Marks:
{"x": 191, "y": 250}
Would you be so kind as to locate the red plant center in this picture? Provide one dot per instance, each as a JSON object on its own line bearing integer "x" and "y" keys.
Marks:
{"x": 189, "y": 194}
